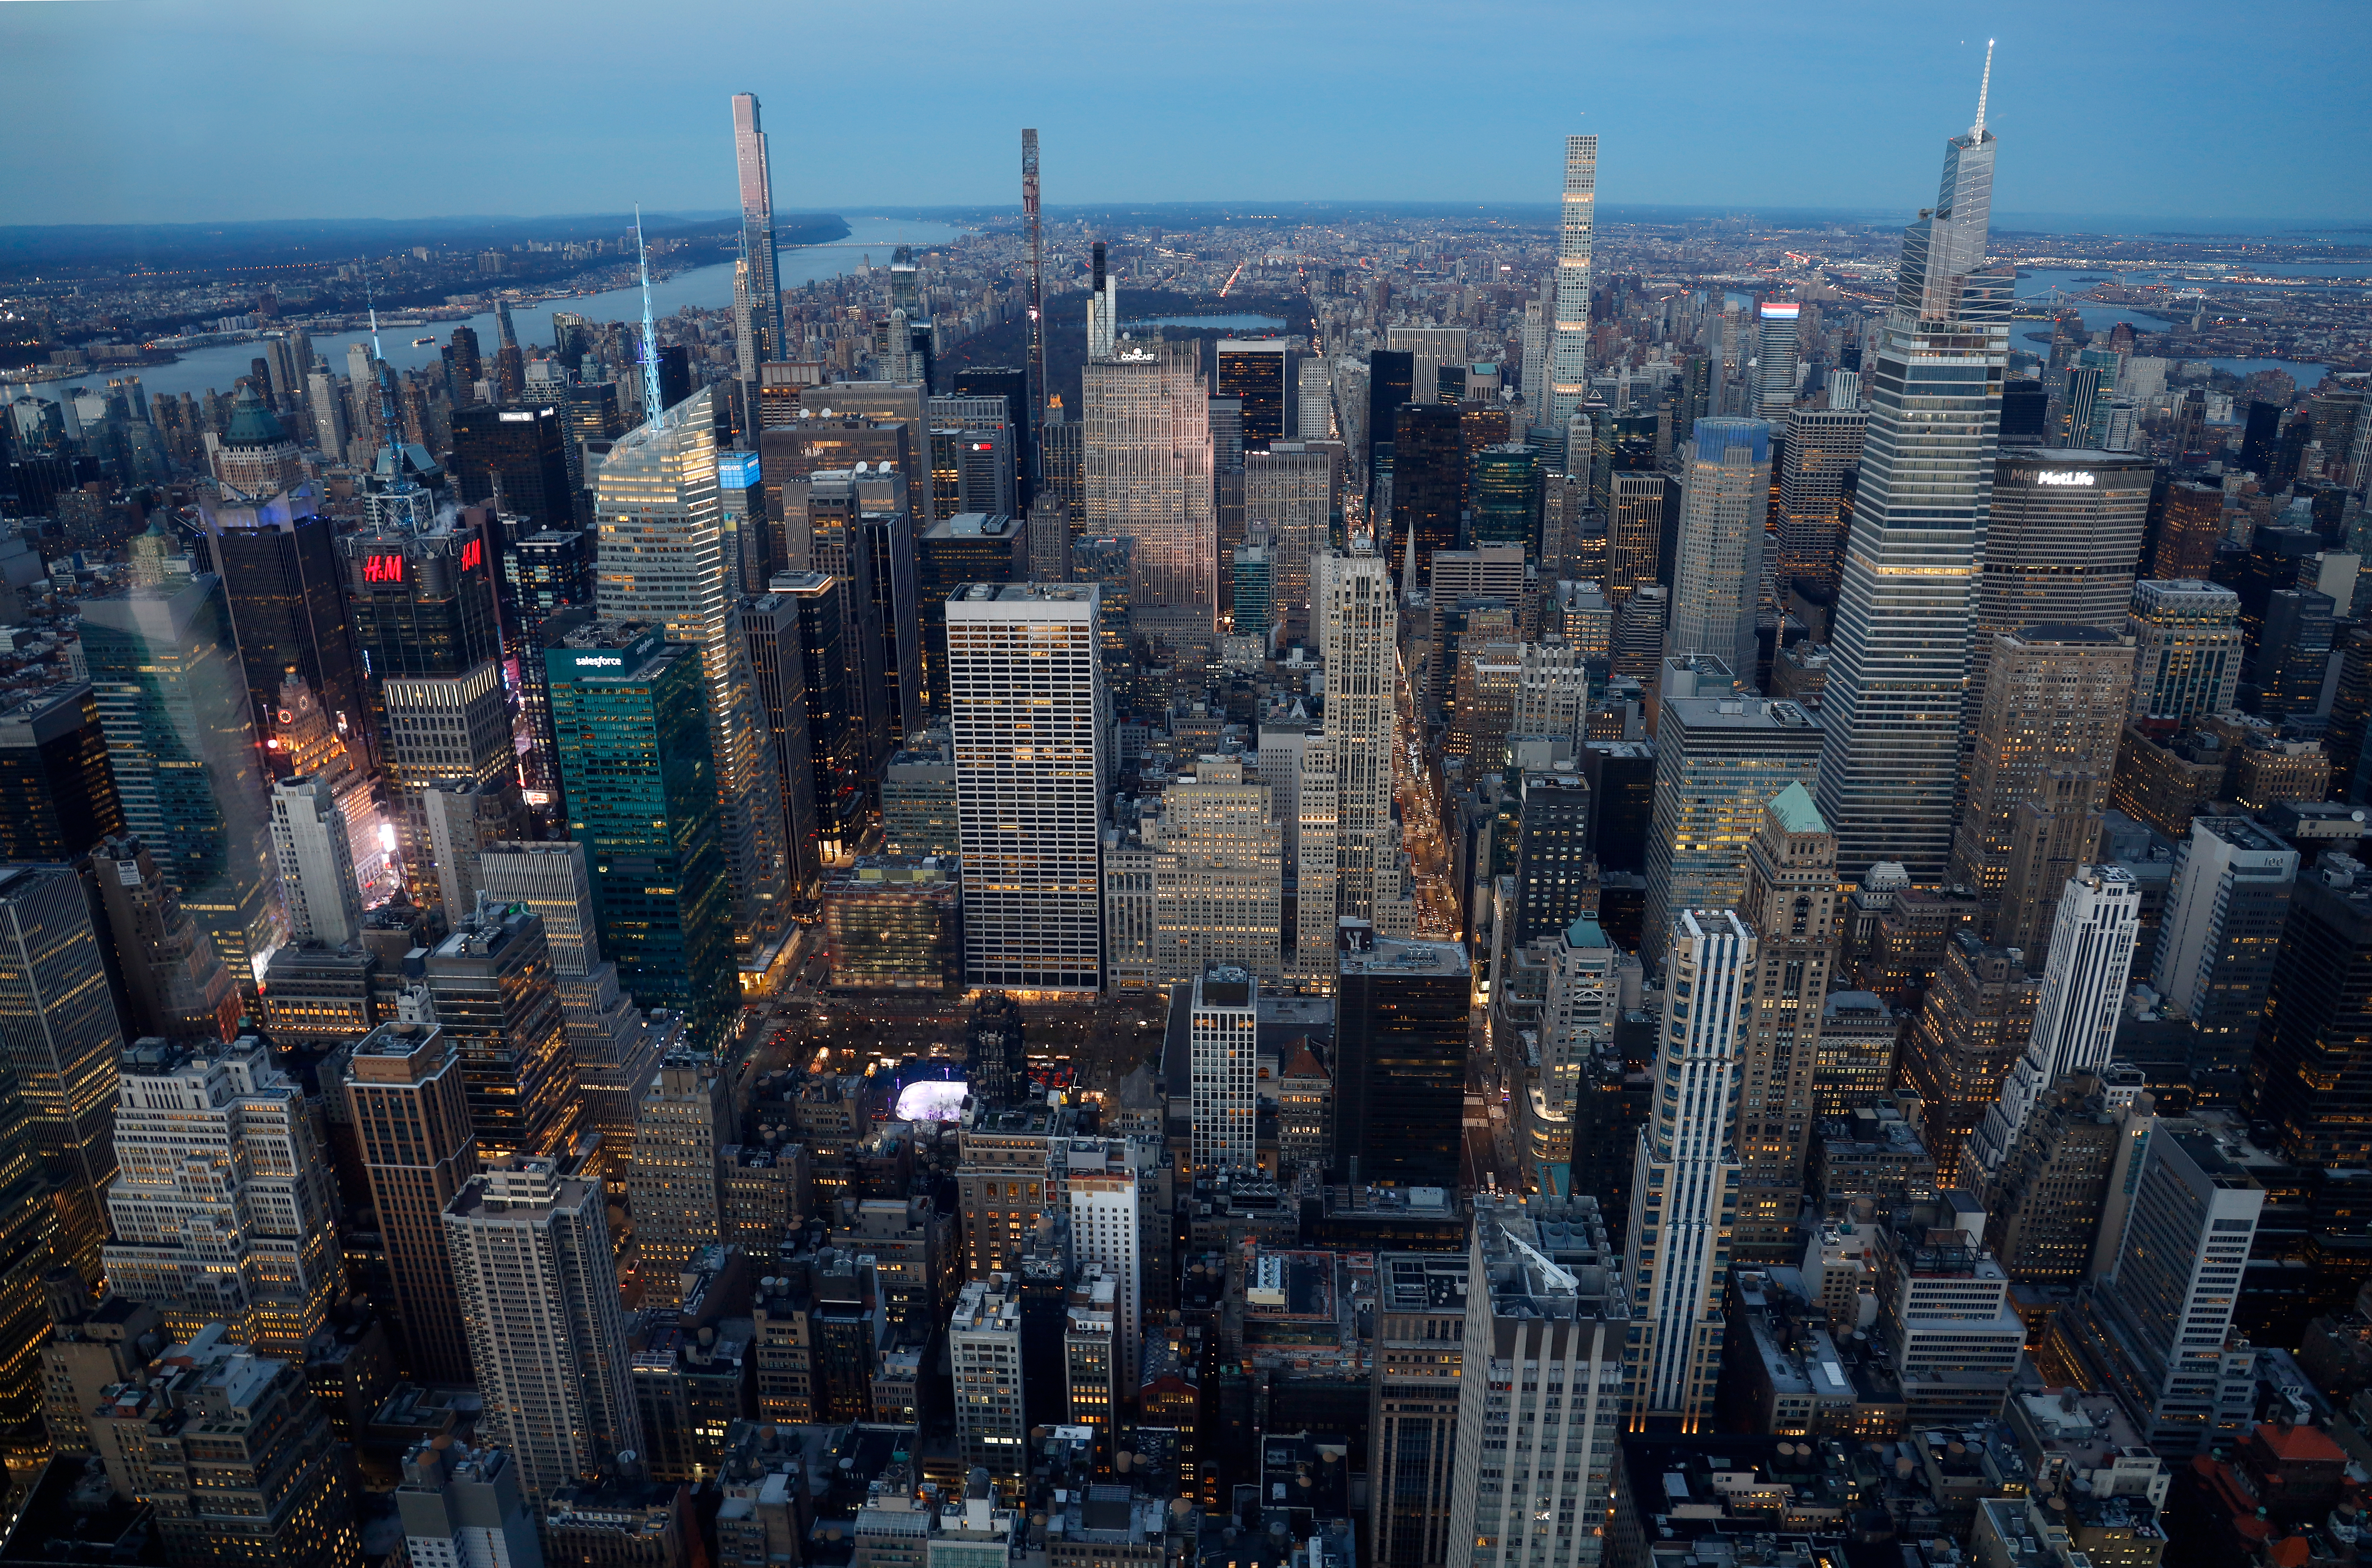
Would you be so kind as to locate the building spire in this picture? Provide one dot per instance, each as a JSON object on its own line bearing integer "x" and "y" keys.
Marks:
{"x": 1977, "y": 131}
{"x": 651, "y": 409}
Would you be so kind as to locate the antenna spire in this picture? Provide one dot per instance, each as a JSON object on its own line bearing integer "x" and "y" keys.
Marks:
{"x": 1977, "y": 132}
{"x": 651, "y": 409}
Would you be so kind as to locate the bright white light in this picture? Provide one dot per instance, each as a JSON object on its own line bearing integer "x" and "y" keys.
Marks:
{"x": 932, "y": 1100}
{"x": 387, "y": 837}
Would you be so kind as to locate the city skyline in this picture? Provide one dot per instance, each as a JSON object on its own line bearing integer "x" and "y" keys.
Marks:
{"x": 474, "y": 152}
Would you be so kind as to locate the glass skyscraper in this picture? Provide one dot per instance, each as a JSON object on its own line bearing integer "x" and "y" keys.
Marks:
{"x": 1899, "y": 665}
{"x": 1569, "y": 336}
{"x": 630, "y": 712}
{"x": 662, "y": 559}
{"x": 763, "y": 279}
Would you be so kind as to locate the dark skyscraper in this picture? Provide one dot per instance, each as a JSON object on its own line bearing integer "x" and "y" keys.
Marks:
{"x": 286, "y": 593}
{"x": 57, "y": 793}
{"x": 467, "y": 369}
{"x": 778, "y": 674}
{"x": 1554, "y": 884}
{"x": 1253, "y": 370}
{"x": 1399, "y": 1041}
{"x": 996, "y": 1056}
{"x": 632, "y": 714}
{"x": 969, "y": 548}
{"x": 1429, "y": 464}
{"x": 520, "y": 453}
{"x": 547, "y": 571}
{"x": 1010, "y": 382}
{"x": 1389, "y": 371}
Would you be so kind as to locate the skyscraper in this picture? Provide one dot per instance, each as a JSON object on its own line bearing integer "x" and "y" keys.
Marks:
{"x": 2220, "y": 931}
{"x": 1790, "y": 904}
{"x": 1291, "y": 488}
{"x": 1357, "y": 620}
{"x": 547, "y": 571}
{"x": 631, "y": 713}
{"x": 1149, "y": 479}
{"x": 59, "y": 1029}
{"x": 1223, "y": 1027}
{"x": 662, "y": 561}
{"x": 2065, "y": 530}
{"x": 286, "y": 597}
{"x": 2075, "y": 1018}
{"x": 613, "y": 1049}
{"x": 1824, "y": 449}
{"x": 1542, "y": 1351}
{"x": 1569, "y": 339}
{"x": 491, "y": 986}
{"x": 316, "y": 863}
{"x": 2053, "y": 709}
{"x": 985, "y": 1351}
{"x": 1428, "y": 482}
{"x": 1775, "y": 349}
{"x": 429, "y": 625}
{"x": 2187, "y": 651}
{"x": 1717, "y": 579}
{"x": 1400, "y": 1029}
{"x": 1218, "y": 875}
{"x": 764, "y": 285}
{"x": 411, "y": 1117}
{"x": 57, "y": 792}
{"x": 2312, "y": 1071}
{"x": 2154, "y": 1331}
{"x": 1889, "y": 767}
{"x": 1252, "y": 371}
{"x": 256, "y": 1249}
{"x": 1030, "y": 721}
{"x": 180, "y": 740}
{"x": 533, "y": 1266}
{"x": 1684, "y": 1186}
{"x": 173, "y": 983}
{"x": 673, "y": 1185}
{"x": 1718, "y": 760}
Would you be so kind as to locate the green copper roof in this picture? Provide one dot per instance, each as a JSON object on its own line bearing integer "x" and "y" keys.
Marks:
{"x": 252, "y": 425}
{"x": 1586, "y": 932}
{"x": 1793, "y": 808}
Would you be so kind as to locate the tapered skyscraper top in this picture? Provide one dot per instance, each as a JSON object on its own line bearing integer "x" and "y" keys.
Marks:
{"x": 1947, "y": 243}
{"x": 757, "y": 224}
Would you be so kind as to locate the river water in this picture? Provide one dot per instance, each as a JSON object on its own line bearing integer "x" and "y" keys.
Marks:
{"x": 711, "y": 287}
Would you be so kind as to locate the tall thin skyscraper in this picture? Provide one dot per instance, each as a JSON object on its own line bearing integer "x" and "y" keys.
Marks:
{"x": 1357, "y": 622}
{"x": 662, "y": 560}
{"x": 1030, "y": 717}
{"x": 1223, "y": 1023}
{"x": 1899, "y": 658}
{"x": 1822, "y": 450}
{"x": 2075, "y": 1022}
{"x": 412, "y": 1121}
{"x": 1774, "y": 354}
{"x": 1569, "y": 340}
{"x": 1717, "y": 579}
{"x": 316, "y": 863}
{"x": 1149, "y": 479}
{"x": 1791, "y": 885}
{"x": 1684, "y": 1184}
{"x": 534, "y": 1270}
{"x": 59, "y": 1030}
{"x": 757, "y": 181}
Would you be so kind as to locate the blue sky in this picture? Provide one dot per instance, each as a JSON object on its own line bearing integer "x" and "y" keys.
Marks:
{"x": 163, "y": 111}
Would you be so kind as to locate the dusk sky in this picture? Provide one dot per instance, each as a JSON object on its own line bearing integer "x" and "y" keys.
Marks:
{"x": 159, "y": 111}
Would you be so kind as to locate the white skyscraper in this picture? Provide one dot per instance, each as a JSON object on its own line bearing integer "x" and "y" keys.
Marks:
{"x": 1541, "y": 1392}
{"x": 538, "y": 1283}
{"x": 984, "y": 1349}
{"x": 2075, "y": 1020}
{"x": 1569, "y": 333}
{"x": 1290, "y": 487}
{"x": 1685, "y": 1179}
{"x": 1223, "y": 1030}
{"x": 225, "y": 1211}
{"x": 1314, "y": 389}
{"x": 662, "y": 558}
{"x": 1718, "y": 577}
{"x": 1105, "y": 1179}
{"x": 1898, "y": 659}
{"x": 1030, "y": 725}
{"x": 1147, "y": 412}
{"x": 1317, "y": 826}
{"x": 316, "y": 863}
{"x": 1218, "y": 874}
{"x": 1358, "y": 624}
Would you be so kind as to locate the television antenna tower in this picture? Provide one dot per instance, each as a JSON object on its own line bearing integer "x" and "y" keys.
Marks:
{"x": 651, "y": 409}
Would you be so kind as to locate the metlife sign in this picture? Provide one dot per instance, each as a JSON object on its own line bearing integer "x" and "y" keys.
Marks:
{"x": 2066, "y": 476}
